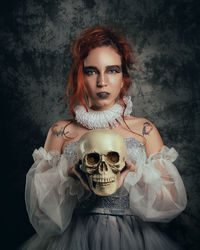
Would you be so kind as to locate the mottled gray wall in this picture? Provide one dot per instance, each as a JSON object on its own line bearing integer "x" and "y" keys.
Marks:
{"x": 35, "y": 60}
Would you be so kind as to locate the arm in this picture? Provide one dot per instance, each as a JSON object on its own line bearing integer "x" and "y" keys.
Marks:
{"x": 153, "y": 147}
{"x": 56, "y": 137}
{"x": 51, "y": 194}
{"x": 159, "y": 195}
{"x": 154, "y": 141}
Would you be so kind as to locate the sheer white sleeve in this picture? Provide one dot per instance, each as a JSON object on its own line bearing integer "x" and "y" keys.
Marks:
{"x": 50, "y": 194}
{"x": 156, "y": 190}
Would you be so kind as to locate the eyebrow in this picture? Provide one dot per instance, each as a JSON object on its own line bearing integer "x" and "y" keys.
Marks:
{"x": 119, "y": 67}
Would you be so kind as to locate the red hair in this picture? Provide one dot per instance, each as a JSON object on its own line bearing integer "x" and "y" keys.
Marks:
{"x": 89, "y": 39}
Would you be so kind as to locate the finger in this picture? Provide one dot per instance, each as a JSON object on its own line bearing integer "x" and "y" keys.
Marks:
{"x": 130, "y": 166}
{"x": 82, "y": 182}
{"x": 126, "y": 169}
{"x": 124, "y": 172}
{"x": 77, "y": 165}
{"x": 122, "y": 177}
{"x": 78, "y": 174}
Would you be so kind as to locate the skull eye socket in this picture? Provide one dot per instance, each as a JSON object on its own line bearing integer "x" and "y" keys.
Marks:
{"x": 92, "y": 158}
{"x": 113, "y": 157}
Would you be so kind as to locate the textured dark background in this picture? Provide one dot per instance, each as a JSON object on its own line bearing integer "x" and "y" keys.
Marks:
{"x": 35, "y": 60}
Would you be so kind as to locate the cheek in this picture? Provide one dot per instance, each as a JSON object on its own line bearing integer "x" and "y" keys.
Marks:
{"x": 90, "y": 84}
{"x": 115, "y": 80}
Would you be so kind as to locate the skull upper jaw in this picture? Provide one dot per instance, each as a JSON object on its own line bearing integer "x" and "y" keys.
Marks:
{"x": 104, "y": 187}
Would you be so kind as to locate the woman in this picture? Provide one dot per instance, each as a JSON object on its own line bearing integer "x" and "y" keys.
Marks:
{"x": 58, "y": 198}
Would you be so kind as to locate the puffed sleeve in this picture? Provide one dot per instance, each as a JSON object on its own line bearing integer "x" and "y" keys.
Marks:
{"x": 50, "y": 194}
{"x": 159, "y": 194}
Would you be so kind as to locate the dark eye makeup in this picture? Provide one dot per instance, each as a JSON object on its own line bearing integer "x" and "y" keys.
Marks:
{"x": 90, "y": 70}
{"x": 111, "y": 69}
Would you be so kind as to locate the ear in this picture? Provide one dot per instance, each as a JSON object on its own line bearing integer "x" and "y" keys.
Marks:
{"x": 122, "y": 84}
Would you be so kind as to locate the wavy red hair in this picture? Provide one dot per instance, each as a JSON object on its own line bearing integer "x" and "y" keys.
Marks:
{"x": 89, "y": 39}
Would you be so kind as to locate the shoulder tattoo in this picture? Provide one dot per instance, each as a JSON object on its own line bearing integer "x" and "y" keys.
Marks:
{"x": 59, "y": 131}
{"x": 147, "y": 128}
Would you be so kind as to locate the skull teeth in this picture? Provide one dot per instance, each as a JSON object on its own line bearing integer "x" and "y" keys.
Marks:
{"x": 103, "y": 179}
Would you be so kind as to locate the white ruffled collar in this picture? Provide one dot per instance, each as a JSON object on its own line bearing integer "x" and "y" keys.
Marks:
{"x": 103, "y": 119}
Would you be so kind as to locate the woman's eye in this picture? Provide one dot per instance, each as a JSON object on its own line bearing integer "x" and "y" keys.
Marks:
{"x": 90, "y": 72}
{"x": 112, "y": 71}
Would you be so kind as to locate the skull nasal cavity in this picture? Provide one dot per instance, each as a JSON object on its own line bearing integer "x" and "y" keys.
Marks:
{"x": 103, "y": 167}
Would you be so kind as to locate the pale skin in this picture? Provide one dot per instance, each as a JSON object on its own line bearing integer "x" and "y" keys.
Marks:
{"x": 102, "y": 73}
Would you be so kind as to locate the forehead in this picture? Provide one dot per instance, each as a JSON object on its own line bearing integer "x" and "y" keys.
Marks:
{"x": 102, "y": 56}
{"x": 101, "y": 142}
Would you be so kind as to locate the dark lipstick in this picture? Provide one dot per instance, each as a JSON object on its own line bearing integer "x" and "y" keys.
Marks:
{"x": 103, "y": 94}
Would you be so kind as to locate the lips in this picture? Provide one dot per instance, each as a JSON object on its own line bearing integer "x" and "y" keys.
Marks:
{"x": 103, "y": 94}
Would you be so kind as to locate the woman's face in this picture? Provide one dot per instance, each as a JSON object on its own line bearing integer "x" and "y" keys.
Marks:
{"x": 103, "y": 77}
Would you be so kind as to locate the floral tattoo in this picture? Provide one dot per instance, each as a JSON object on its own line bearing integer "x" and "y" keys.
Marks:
{"x": 59, "y": 132}
{"x": 147, "y": 128}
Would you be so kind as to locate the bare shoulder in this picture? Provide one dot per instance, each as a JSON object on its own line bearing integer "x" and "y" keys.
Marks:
{"x": 58, "y": 133}
{"x": 149, "y": 131}
{"x": 61, "y": 128}
{"x": 154, "y": 142}
{"x": 136, "y": 123}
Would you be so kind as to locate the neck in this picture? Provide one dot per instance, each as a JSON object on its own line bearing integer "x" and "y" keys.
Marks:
{"x": 103, "y": 118}
{"x": 104, "y": 108}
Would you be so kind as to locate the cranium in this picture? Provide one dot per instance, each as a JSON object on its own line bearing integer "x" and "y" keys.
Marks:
{"x": 102, "y": 153}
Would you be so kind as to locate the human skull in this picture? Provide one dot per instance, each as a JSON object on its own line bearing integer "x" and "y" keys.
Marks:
{"x": 102, "y": 153}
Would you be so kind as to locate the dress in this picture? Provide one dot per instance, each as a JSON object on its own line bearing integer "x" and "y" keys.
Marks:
{"x": 67, "y": 217}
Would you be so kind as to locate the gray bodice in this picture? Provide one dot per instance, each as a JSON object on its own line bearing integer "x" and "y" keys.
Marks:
{"x": 115, "y": 204}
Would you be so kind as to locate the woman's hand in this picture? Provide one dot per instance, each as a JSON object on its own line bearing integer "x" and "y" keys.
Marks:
{"x": 129, "y": 167}
{"x": 76, "y": 173}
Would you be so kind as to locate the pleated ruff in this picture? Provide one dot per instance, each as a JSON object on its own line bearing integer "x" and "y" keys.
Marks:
{"x": 105, "y": 232}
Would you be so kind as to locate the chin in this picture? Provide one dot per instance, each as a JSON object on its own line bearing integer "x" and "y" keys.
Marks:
{"x": 103, "y": 104}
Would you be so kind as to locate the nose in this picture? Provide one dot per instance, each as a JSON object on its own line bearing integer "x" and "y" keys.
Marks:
{"x": 101, "y": 80}
{"x": 102, "y": 166}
